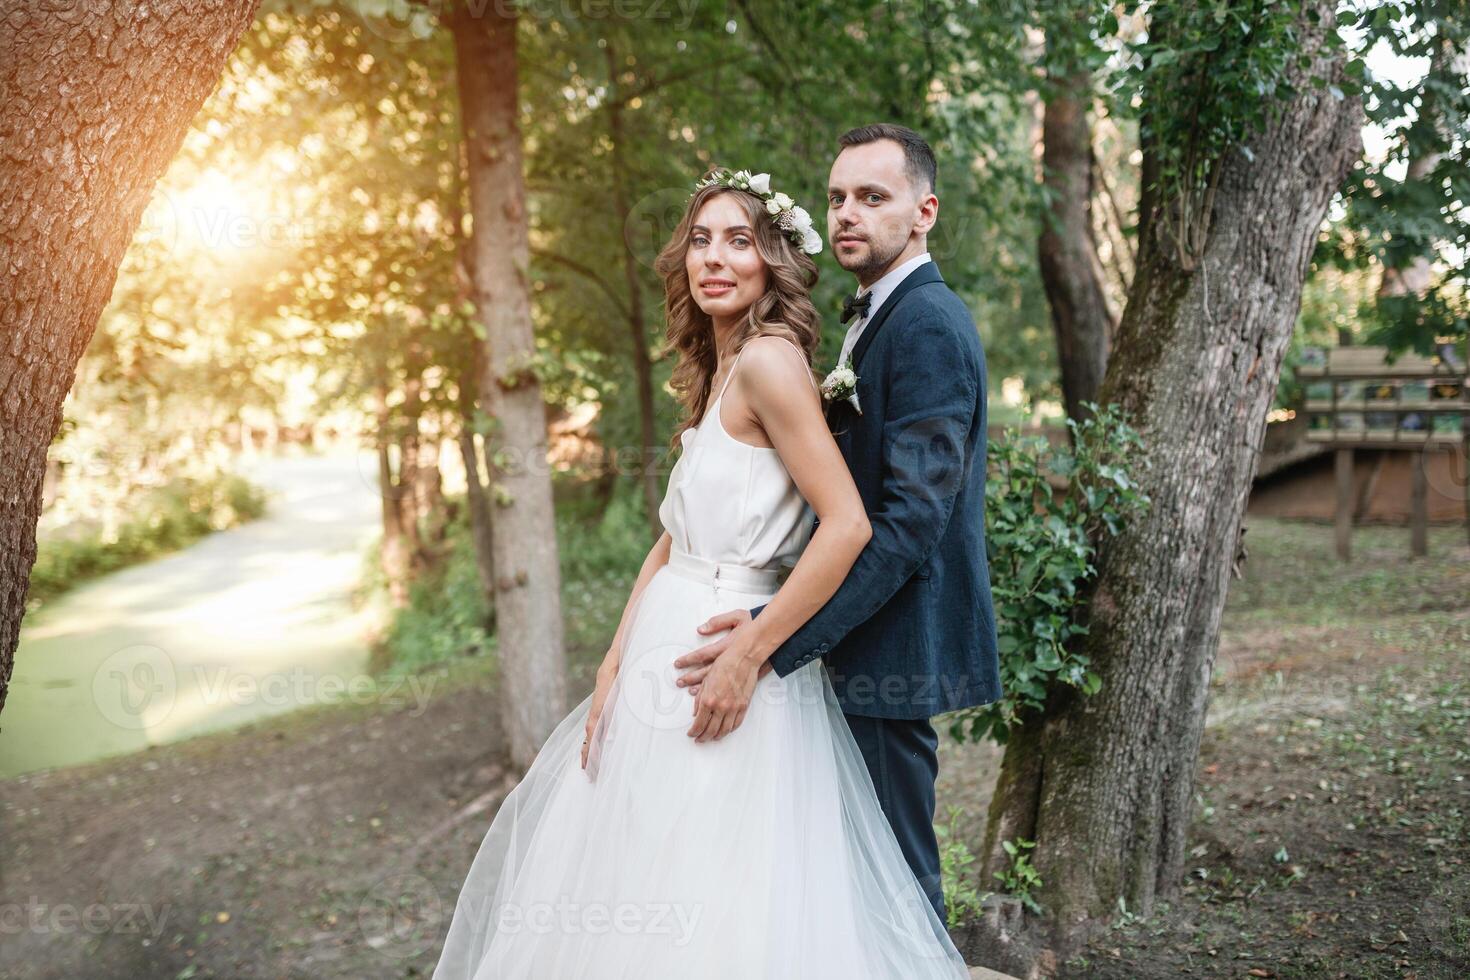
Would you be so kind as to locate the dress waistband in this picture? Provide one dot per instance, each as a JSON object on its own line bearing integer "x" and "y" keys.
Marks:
{"x": 748, "y": 578}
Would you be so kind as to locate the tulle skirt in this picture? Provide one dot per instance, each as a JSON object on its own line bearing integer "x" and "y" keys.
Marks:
{"x": 761, "y": 855}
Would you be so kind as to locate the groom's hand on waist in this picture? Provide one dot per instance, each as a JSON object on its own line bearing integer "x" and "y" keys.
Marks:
{"x": 696, "y": 663}
{"x": 722, "y": 675}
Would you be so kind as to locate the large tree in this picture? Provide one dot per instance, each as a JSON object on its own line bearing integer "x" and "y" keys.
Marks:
{"x": 1236, "y": 187}
{"x": 95, "y": 99}
{"x": 524, "y": 547}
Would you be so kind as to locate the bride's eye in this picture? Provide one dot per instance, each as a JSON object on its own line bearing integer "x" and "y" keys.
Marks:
{"x": 740, "y": 240}
{"x": 698, "y": 241}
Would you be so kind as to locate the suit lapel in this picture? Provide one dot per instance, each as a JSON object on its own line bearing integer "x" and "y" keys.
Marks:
{"x": 926, "y": 273}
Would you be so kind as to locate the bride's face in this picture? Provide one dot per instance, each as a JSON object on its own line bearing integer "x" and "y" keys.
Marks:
{"x": 726, "y": 273}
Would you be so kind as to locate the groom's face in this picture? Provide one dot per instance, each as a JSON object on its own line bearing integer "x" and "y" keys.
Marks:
{"x": 873, "y": 208}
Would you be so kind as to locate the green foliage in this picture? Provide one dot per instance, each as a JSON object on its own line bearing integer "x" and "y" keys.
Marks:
{"x": 1408, "y": 207}
{"x": 1042, "y": 540}
{"x": 601, "y": 543}
{"x": 162, "y": 520}
{"x": 1203, "y": 79}
{"x": 1021, "y": 878}
{"x": 602, "y": 547}
{"x": 962, "y": 896}
{"x": 448, "y": 615}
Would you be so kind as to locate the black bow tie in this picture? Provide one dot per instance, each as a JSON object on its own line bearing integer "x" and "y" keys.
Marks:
{"x": 856, "y": 304}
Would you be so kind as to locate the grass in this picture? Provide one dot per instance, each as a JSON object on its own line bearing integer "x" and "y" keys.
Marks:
{"x": 1293, "y": 575}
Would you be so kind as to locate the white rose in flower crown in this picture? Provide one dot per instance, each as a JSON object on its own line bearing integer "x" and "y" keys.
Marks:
{"x": 803, "y": 220}
{"x": 811, "y": 242}
{"x": 772, "y": 207}
{"x": 783, "y": 202}
{"x": 761, "y": 183}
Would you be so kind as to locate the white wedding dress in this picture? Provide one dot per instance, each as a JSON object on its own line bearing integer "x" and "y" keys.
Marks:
{"x": 763, "y": 855}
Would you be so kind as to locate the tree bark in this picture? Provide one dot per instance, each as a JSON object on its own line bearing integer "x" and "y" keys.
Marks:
{"x": 1104, "y": 784}
{"x": 1066, "y": 248}
{"x": 527, "y": 576}
{"x": 95, "y": 99}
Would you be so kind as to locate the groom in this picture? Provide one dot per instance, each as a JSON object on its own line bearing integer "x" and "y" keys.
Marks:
{"x": 910, "y": 633}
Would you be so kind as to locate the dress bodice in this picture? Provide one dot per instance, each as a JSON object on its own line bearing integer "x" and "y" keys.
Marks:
{"x": 733, "y": 502}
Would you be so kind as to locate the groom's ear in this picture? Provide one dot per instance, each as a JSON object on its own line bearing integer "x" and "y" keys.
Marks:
{"x": 928, "y": 213}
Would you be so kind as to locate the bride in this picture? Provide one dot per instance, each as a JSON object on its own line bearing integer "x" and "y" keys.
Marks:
{"x": 749, "y": 845}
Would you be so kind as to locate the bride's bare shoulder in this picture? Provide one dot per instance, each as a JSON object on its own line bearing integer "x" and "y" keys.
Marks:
{"x": 777, "y": 382}
{"x": 776, "y": 358}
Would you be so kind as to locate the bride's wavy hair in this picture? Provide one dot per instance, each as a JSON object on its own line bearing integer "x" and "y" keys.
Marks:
{"x": 785, "y": 309}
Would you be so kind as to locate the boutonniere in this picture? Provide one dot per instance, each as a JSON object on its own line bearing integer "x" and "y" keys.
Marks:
{"x": 842, "y": 384}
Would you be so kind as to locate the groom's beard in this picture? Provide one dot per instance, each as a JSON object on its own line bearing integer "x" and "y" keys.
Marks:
{"x": 875, "y": 263}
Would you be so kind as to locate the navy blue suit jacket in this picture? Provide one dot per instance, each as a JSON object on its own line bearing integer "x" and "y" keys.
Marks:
{"x": 910, "y": 633}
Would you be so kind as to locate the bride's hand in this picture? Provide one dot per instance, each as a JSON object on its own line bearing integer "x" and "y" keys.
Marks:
{"x": 606, "y": 674}
{"x": 724, "y": 696}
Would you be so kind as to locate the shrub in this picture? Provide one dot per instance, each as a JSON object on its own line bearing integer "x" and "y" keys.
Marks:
{"x": 1041, "y": 542}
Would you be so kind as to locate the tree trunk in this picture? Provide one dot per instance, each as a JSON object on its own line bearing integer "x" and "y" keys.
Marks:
{"x": 95, "y": 99}
{"x": 482, "y": 530}
{"x": 482, "y": 526}
{"x": 1105, "y": 784}
{"x": 477, "y": 497}
{"x": 406, "y": 431}
{"x": 527, "y": 576}
{"x": 394, "y": 554}
{"x": 1067, "y": 249}
{"x": 637, "y": 328}
{"x": 433, "y": 512}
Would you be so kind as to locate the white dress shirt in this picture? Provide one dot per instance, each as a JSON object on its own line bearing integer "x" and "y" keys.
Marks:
{"x": 881, "y": 290}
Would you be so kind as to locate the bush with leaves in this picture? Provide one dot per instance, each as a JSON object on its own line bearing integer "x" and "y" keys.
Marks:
{"x": 1042, "y": 538}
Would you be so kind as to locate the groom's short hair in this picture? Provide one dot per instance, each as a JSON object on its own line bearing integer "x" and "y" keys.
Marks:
{"x": 918, "y": 155}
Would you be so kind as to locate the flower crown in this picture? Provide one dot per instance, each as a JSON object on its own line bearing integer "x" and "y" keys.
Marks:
{"x": 789, "y": 217}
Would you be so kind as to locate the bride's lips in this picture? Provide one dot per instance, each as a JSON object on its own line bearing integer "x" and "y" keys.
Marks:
{"x": 716, "y": 287}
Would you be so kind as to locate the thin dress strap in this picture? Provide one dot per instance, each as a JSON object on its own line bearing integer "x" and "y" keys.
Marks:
{"x": 735, "y": 363}
{"x": 730, "y": 374}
